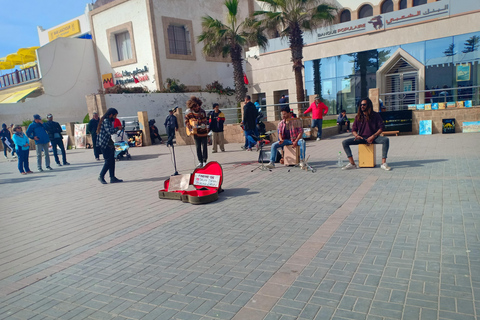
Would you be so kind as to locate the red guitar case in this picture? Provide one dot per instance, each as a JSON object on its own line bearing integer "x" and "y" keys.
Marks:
{"x": 207, "y": 182}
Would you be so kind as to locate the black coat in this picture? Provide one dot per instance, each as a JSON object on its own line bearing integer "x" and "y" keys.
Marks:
{"x": 250, "y": 114}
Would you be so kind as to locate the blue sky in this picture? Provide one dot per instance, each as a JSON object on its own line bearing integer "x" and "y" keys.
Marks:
{"x": 19, "y": 20}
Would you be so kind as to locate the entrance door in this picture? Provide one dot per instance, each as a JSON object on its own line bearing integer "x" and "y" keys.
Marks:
{"x": 401, "y": 79}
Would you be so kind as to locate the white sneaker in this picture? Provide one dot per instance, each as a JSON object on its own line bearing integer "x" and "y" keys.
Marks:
{"x": 270, "y": 165}
{"x": 385, "y": 167}
{"x": 349, "y": 166}
{"x": 200, "y": 165}
{"x": 318, "y": 139}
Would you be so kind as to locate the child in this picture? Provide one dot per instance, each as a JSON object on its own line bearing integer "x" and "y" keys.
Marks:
{"x": 23, "y": 149}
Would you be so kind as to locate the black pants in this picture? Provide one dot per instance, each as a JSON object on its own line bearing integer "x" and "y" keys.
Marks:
{"x": 202, "y": 155}
{"x": 109, "y": 164}
{"x": 96, "y": 150}
{"x": 171, "y": 135}
{"x": 341, "y": 124}
{"x": 153, "y": 137}
{"x": 58, "y": 142}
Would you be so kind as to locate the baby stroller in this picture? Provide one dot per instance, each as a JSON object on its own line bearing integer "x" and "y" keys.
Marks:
{"x": 121, "y": 146}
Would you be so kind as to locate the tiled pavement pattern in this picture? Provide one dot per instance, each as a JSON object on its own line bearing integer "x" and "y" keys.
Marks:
{"x": 286, "y": 244}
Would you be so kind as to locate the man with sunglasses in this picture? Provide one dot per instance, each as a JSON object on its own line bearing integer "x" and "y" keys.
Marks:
{"x": 366, "y": 129}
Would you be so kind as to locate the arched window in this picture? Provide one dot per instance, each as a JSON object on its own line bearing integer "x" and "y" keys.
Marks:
{"x": 365, "y": 11}
{"x": 419, "y": 2}
{"x": 403, "y": 4}
{"x": 345, "y": 16}
{"x": 387, "y": 6}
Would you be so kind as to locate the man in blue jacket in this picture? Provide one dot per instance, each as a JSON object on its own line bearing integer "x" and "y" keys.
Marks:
{"x": 37, "y": 132}
{"x": 54, "y": 131}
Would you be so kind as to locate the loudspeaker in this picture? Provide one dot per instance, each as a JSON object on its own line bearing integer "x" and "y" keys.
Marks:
{"x": 265, "y": 155}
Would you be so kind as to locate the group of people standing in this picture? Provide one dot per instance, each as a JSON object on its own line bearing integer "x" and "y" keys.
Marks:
{"x": 44, "y": 134}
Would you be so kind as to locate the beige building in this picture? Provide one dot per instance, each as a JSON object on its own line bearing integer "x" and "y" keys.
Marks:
{"x": 146, "y": 42}
{"x": 409, "y": 49}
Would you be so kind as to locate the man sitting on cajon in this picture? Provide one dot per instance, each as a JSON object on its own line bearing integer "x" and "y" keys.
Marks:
{"x": 289, "y": 133}
{"x": 366, "y": 129}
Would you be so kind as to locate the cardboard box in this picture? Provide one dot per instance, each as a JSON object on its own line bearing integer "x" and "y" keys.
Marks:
{"x": 366, "y": 155}
{"x": 291, "y": 156}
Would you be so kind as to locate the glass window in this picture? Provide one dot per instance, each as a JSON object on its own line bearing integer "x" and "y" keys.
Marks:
{"x": 346, "y": 98}
{"x": 327, "y": 67}
{"x": 416, "y": 50}
{"x": 345, "y": 16}
{"x": 466, "y": 48}
{"x": 385, "y": 53}
{"x": 403, "y": 4}
{"x": 387, "y": 6}
{"x": 439, "y": 51}
{"x": 345, "y": 65}
{"x": 419, "y": 2}
{"x": 308, "y": 70}
{"x": 124, "y": 46}
{"x": 179, "y": 40}
{"x": 365, "y": 11}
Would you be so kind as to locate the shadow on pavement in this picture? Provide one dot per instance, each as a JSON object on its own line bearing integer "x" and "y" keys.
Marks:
{"x": 414, "y": 163}
{"x": 26, "y": 178}
{"x": 233, "y": 192}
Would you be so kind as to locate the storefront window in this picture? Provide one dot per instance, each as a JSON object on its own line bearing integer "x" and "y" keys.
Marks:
{"x": 439, "y": 51}
{"x": 416, "y": 50}
{"x": 345, "y": 65}
{"x": 466, "y": 47}
{"x": 345, "y": 16}
{"x": 419, "y": 2}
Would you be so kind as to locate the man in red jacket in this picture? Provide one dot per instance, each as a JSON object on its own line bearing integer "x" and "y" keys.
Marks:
{"x": 318, "y": 110}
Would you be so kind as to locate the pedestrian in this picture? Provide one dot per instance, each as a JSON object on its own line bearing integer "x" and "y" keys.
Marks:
{"x": 7, "y": 141}
{"x": 154, "y": 132}
{"x": 250, "y": 114}
{"x": 283, "y": 100}
{"x": 171, "y": 125}
{"x": 216, "y": 119}
{"x": 196, "y": 113}
{"x": 318, "y": 110}
{"x": 105, "y": 130}
{"x": 366, "y": 129}
{"x": 36, "y": 131}
{"x": 54, "y": 131}
{"x": 92, "y": 127}
{"x": 342, "y": 120}
{"x": 23, "y": 149}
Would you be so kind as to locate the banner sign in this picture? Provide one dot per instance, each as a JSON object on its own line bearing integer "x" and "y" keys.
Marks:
{"x": 411, "y": 15}
{"x": 65, "y": 30}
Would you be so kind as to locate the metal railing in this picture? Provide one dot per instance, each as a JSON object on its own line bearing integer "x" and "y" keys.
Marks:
{"x": 19, "y": 76}
{"x": 401, "y": 100}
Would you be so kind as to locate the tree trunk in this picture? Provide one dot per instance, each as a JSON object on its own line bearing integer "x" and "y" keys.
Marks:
{"x": 296, "y": 47}
{"x": 240, "y": 89}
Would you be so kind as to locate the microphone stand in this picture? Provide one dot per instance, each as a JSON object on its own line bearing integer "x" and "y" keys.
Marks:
{"x": 174, "y": 161}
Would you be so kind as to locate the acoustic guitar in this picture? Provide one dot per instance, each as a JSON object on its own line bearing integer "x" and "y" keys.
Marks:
{"x": 194, "y": 125}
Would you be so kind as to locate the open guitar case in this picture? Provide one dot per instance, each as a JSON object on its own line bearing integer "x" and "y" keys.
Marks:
{"x": 207, "y": 182}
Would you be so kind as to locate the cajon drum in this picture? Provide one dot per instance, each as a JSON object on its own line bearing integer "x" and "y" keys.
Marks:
{"x": 366, "y": 155}
{"x": 291, "y": 156}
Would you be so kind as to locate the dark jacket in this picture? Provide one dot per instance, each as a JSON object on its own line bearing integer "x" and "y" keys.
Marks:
{"x": 216, "y": 121}
{"x": 171, "y": 122}
{"x": 5, "y": 135}
{"x": 250, "y": 114}
{"x": 92, "y": 126}
{"x": 37, "y": 130}
{"x": 53, "y": 127}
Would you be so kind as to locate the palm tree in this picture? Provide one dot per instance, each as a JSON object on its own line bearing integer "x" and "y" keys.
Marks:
{"x": 230, "y": 38}
{"x": 291, "y": 18}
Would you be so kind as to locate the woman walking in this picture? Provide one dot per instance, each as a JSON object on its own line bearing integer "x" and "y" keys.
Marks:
{"x": 105, "y": 130}
{"x": 23, "y": 149}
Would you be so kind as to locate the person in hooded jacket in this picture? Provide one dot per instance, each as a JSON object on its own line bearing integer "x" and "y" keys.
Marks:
{"x": 23, "y": 149}
{"x": 7, "y": 141}
{"x": 36, "y": 131}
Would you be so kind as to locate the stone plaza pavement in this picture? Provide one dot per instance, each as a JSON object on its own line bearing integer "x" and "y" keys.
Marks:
{"x": 281, "y": 244}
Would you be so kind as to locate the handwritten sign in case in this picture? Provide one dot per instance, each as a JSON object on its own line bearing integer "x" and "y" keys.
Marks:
{"x": 207, "y": 180}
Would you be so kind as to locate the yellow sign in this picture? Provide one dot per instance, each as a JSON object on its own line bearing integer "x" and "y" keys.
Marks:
{"x": 65, "y": 30}
{"x": 107, "y": 80}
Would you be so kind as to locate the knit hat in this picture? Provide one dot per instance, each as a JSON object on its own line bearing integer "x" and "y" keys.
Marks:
{"x": 4, "y": 126}
{"x": 37, "y": 117}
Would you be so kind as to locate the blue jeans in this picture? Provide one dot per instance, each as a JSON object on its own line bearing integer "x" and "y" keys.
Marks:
{"x": 318, "y": 123}
{"x": 58, "y": 142}
{"x": 249, "y": 140}
{"x": 23, "y": 160}
{"x": 276, "y": 145}
{"x": 378, "y": 140}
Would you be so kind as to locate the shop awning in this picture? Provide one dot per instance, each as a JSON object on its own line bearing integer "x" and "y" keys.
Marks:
{"x": 17, "y": 96}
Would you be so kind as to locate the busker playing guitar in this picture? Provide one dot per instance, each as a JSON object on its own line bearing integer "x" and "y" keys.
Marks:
{"x": 196, "y": 123}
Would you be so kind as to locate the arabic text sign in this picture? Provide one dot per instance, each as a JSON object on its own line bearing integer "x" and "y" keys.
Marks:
{"x": 207, "y": 180}
{"x": 416, "y": 14}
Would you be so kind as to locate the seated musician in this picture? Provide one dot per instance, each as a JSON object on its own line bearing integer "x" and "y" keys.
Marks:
{"x": 196, "y": 113}
{"x": 290, "y": 132}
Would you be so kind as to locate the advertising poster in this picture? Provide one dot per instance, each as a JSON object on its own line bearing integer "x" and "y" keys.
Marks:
{"x": 420, "y": 107}
{"x": 80, "y": 135}
{"x": 468, "y": 104}
{"x": 425, "y": 127}
{"x": 463, "y": 72}
{"x": 434, "y": 106}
